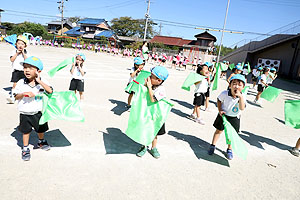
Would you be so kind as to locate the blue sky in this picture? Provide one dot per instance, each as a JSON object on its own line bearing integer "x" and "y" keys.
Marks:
{"x": 260, "y": 16}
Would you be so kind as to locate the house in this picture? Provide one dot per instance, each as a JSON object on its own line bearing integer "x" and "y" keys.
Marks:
{"x": 280, "y": 51}
{"x": 91, "y": 28}
{"x": 55, "y": 26}
{"x": 202, "y": 47}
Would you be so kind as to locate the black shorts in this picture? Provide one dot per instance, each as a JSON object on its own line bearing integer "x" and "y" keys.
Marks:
{"x": 27, "y": 122}
{"x": 162, "y": 130}
{"x": 77, "y": 84}
{"x": 173, "y": 62}
{"x": 206, "y": 94}
{"x": 199, "y": 99}
{"x": 260, "y": 88}
{"x": 17, "y": 75}
{"x": 234, "y": 121}
{"x": 163, "y": 60}
{"x": 254, "y": 79}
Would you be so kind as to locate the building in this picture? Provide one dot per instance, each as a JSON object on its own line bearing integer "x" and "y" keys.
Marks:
{"x": 91, "y": 28}
{"x": 202, "y": 47}
{"x": 280, "y": 51}
{"x": 55, "y": 26}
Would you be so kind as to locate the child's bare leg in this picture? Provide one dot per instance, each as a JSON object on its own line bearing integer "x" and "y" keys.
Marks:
{"x": 258, "y": 96}
{"x": 216, "y": 136}
{"x": 206, "y": 102}
{"x": 26, "y": 139}
{"x": 298, "y": 144}
{"x": 41, "y": 136}
{"x": 197, "y": 108}
{"x": 154, "y": 143}
{"x": 129, "y": 98}
{"x": 81, "y": 95}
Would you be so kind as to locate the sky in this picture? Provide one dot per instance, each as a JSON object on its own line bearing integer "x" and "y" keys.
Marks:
{"x": 257, "y": 16}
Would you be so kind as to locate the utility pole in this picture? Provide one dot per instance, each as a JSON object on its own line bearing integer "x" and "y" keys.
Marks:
{"x": 160, "y": 26}
{"x": 61, "y": 8}
{"x": 147, "y": 17}
{"x": 223, "y": 30}
{"x": 0, "y": 15}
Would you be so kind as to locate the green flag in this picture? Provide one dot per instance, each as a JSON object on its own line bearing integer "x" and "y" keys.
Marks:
{"x": 61, "y": 106}
{"x": 231, "y": 66}
{"x": 146, "y": 117}
{"x": 291, "y": 113}
{"x": 140, "y": 79}
{"x": 61, "y": 65}
{"x": 234, "y": 139}
{"x": 249, "y": 68}
{"x": 217, "y": 76}
{"x": 224, "y": 67}
{"x": 246, "y": 89}
{"x": 191, "y": 79}
{"x": 270, "y": 93}
{"x": 242, "y": 64}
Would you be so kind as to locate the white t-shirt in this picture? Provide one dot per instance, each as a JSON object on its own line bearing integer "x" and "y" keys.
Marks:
{"x": 17, "y": 64}
{"x": 255, "y": 72}
{"x": 230, "y": 105}
{"x": 269, "y": 79}
{"x": 201, "y": 87}
{"x": 29, "y": 105}
{"x": 263, "y": 78}
{"x": 159, "y": 93}
{"x": 77, "y": 74}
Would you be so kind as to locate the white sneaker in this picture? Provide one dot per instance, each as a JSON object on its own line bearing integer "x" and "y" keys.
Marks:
{"x": 11, "y": 100}
{"x": 200, "y": 121}
{"x": 192, "y": 116}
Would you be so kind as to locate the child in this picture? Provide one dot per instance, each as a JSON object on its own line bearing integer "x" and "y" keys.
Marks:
{"x": 157, "y": 92}
{"x": 272, "y": 76}
{"x": 78, "y": 71}
{"x": 295, "y": 150}
{"x": 230, "y": 103}
{"x": 194, "y": 63}
{"x": 262, "y": 84}
{"x": 237, "y": 70}
{"x": 209, "y": 80}
{"x": 138, "y": 66}
{"x": 17, "y": 57}
{"x": 201, "y": 88}
{"x": 255, "y": 75}
{"x": 29, "y": 105}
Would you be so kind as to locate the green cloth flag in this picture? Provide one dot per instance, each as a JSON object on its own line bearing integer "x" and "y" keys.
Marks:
{"x": 217, "y": 76}
{"x": 249, "y": 68}
{"x": 146, "y": 117}
{"x": 246, "y": 89}
{"x": 234, "y": 140}
{"x": 224, "y": 67}
{"x": 140, "y": 79}
{"x": 291, "y": 113}
{"x": 270, "y": 93}
{"x": 242, "y": 64}
{"x": 61, "y": 65}
{"x": 231, "y": 66}
{"x": 191, "y": 79}
{"x": 61, "y": 106}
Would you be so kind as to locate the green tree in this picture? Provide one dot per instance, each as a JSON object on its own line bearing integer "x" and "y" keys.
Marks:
{"x": 8, "y": 25}
{"x": 224, "y": 50}
{"x": 126, "y": 26}
{"x": 75, "y": 19}
{"x": 28, "y": 27}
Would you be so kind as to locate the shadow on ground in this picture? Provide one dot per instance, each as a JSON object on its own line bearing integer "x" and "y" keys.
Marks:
{"x": 179, "y": 113}
{"x": 200, "y": 148}
{"x": 7, "y": 89}
{"x": 116, "y": 142}
{"x": 256, "y": 140}
{"x": 55, "y": 138}
{"x": 281, "y": 121}
{"x": 119, "y": 108}
{"x": 183, "y": 103}
{"x": 253, "y": 104}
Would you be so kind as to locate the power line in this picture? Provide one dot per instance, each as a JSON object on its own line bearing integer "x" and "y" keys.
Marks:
{"x": 274, "y": 3}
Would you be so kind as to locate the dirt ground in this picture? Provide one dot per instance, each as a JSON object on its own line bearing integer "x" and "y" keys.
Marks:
{"x": 96, "y": 160}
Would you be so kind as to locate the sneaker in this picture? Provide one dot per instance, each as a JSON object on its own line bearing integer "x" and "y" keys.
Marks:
{"x": 142, "y": 151}
{"x": 44, "y": 145}
{"x": 200, "y": 121}
{"x": 211, "y": 150}
{"x": 154, "y": 153}
{"x": 11, "y": 100}
{"x": 294, "y": 151}
{"x": 192, "y": 116}
{"x": 229, "y": 154}
{"x": 26, "y": 155}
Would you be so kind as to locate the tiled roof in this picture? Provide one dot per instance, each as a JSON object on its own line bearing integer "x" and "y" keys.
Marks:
{"x": 175, "y": 41}
{"x": 92, "y": 21}
{"x": 107, "y": 34}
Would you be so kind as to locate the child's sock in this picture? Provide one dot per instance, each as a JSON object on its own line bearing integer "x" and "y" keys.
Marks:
{"x": 26, "y": 148}
{"x": 41, "y": 140}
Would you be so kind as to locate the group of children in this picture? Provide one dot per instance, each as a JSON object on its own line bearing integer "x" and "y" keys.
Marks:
{"x": 28, "y": 87}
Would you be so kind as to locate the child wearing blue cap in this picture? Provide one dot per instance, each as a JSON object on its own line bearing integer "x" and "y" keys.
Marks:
{"x": 230, "y": 103}
{"x": 157, "y": 92}
{"x": 237, "y": 70}
{"x": 78, "y": 71}
{"x": 201, "y": 88}
{"x": 30, "y": 105}
{"x": 262, "y": 84}
{"x": 135, "y": 70}
{"x": 255, "y": 75}
{"x": 272, "y": 76}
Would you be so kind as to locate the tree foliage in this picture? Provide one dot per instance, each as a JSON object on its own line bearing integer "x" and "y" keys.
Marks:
{"x": 224, "y": 50}
{"x": 75, "y": 19}
{"x": 28, "y": 27}
{"x": 126, "y": 26}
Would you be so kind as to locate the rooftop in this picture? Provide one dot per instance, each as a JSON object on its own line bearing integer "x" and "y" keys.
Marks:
{"x": 91, "y": 21}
